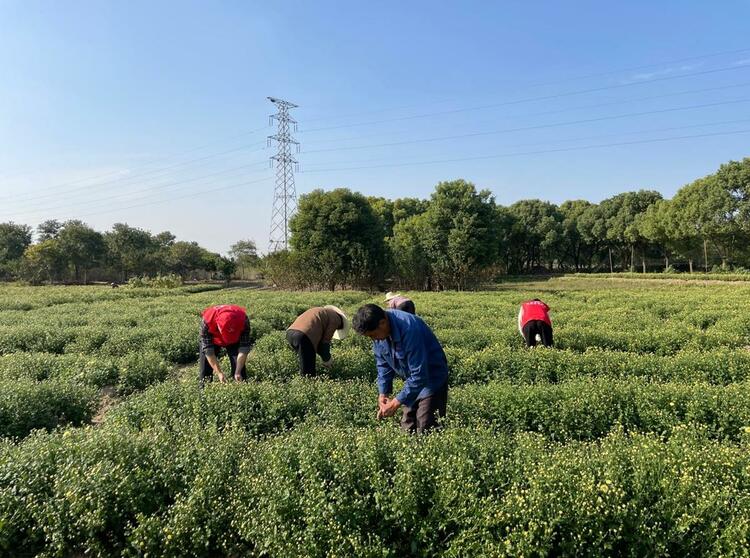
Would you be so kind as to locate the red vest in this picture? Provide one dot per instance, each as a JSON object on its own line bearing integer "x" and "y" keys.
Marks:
{"x": 535, "y": 310}
{"x": 225, "y": 323}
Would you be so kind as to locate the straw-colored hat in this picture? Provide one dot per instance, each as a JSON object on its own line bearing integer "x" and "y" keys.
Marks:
{"x": 389, "y": 296}
{"x": 344, "y": 330}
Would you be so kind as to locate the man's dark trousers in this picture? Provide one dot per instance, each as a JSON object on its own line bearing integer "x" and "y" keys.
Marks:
{"x": 424, "y": 415}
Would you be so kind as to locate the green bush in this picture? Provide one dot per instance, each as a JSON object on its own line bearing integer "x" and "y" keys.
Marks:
{"x": 574, "y": 410}
{"x": 320, "y": 491}
{"x": 169, "y": 281}
{"x": 140, "y": 370}
{"x": 27, "y": 405}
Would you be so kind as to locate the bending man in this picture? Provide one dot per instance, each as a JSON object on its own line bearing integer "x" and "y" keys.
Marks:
{"x": 405, "y": 346}
{"x": 397, "y": 302}
{"x": 534, "y": 323}
{"x": 224, "y": 326}
{"x": 311, "y": 334}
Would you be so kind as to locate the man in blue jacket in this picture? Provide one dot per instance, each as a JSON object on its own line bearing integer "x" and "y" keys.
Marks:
{"x": 405, "y": 346}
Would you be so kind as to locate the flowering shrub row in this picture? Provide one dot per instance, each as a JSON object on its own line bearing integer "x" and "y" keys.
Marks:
{"x": 376, "y": 492}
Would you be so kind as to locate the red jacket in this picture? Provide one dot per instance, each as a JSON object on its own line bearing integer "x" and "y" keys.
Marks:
{"x": 534, "y": 310}
{"x": 225, "y": 323}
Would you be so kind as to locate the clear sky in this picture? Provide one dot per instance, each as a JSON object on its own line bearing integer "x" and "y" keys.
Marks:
{"x": 154, "y": 113}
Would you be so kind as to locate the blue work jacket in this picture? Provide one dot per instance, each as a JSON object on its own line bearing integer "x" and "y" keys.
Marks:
{"x": 413, "y": 353}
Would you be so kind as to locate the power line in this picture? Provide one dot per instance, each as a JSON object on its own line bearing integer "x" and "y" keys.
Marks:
{"x": 535, "y": 127}
{"x": 597, "y": 136}
{"x": 171, "y": 199}
{"x": 473, "y": 134}
{"x": 527, "y": 100}
{"x": 192, "y": 150}
{"x": 66, "y": 192}
{"x": 520, "y": 153}
{"x": 553, "y": 82}
{"x": 557, "y": 111}
{"x": 107, "y": 199}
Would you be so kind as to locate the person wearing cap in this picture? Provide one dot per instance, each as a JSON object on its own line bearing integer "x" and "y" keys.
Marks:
{"x": 397, "y": 302}
{"x": 224, "y": 326}
{"x": 405, "y": 346}
{"x": 312, "y": 332}
{"x": 534, "y": 323}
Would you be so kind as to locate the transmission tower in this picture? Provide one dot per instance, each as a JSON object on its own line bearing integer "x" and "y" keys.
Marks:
{"x": 284, "y": 194}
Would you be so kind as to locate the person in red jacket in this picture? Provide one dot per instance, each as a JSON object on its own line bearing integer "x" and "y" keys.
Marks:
{"x": 534, "y": 323}
{"x": 224, "y": 326}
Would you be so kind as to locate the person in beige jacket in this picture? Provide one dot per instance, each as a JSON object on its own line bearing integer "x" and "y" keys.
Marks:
{"x": 312, "y": 332}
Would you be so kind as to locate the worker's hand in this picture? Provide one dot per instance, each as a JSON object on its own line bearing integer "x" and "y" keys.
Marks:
{"x": 237, "y": 377}
{"x": 389, "y": 408}
{"x": 222, "y": 379}
{"x": 328, "y": 363}
{"x": 382, "y": 402}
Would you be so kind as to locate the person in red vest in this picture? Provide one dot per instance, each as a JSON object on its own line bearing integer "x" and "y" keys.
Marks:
{"x": 224, "y": 326}
{"x": 534, "y": 323}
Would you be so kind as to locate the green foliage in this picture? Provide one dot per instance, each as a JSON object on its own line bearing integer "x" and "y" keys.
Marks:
{"x": 14, "y": 239}
{"x": 169, "y": 281}
{"x": 536, "y": 233}
{"x": 26, "y": 405}
{"x": 321, "y": 491}
{"x": 83, "y": 247}
{"x": 578, "y": 409}
{"x": 630, "y": 437}
{"x": 340, "y": 235}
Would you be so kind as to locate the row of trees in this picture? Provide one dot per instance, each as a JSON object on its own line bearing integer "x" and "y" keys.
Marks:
{"x": 71, "y": 251}
{"x": 457, "y": 238}
{"x": 460, "y": 236}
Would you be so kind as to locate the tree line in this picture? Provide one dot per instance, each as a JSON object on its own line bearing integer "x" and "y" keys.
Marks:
{"x": 72, "y": 251}
{"x": 457, "y": 239}
{"x": 460, "y": 237}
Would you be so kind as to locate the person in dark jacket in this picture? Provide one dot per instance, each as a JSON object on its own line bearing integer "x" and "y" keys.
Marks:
{"x": 534, "y": 323}
{"x": 311, "y": 334}
{"x": 397, "y": 302}
{"x": 405, "y": 346}
{"x": 227, "y": 327}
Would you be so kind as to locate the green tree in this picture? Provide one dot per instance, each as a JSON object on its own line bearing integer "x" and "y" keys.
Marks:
{"x": 48, "y": 229}
{"x": 226, "y": 267}
{"x": 245, "y": 255}
{"x": 185, "y": 257}
{"x": 341, "y": 236}
{"x": 404, "y": 208}
{"x": 14, "y": 239}
{"x": 82, "y": 246}
{"x": 537, "y": 233}
{"x": 158, "y": 258}
{"x": 574, "y": 249}
{"x": 383, "y": 208}
{"x": 505, "y": 226}
{"x": 734, "y": 176}
{"x": 710, "y": 209}
{"x": 460, "y": 236}
{"x": 44, "y": 261}
{"x": 656, "y": 225}
{"x": 410, "y": 263}
{"x": 286, "y": 270}
{"x": 616, "y": 221}
{"x": 130, "y": 250}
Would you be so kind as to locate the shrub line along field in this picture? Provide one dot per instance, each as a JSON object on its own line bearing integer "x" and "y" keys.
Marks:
{"x": 631, "y": 437}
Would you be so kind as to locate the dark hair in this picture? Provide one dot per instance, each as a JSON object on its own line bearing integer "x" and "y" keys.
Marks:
{"x": 367, "y": 318}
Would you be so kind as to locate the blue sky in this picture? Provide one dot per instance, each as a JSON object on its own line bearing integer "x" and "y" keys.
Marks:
{"x": 155, "y": 113}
